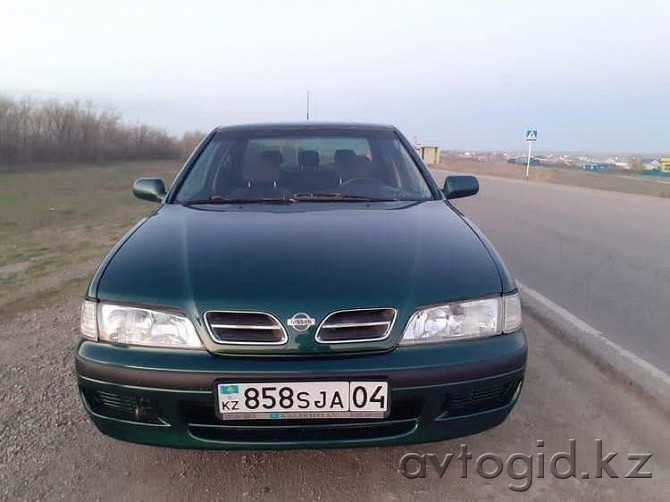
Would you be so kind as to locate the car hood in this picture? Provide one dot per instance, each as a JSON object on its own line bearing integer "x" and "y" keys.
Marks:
{"x": 305, "y": 257}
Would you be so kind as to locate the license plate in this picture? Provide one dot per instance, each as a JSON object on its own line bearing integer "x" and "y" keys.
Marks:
{"x": 306, "y": 400}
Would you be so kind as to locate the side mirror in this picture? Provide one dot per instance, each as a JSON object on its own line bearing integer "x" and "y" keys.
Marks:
{"x": 456, "y": 187}
{"x": 151, "y": 189}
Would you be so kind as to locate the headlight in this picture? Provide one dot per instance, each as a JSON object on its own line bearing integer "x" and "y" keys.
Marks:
{"x": 138, "y": 326}
{"x": 466, "y": 319}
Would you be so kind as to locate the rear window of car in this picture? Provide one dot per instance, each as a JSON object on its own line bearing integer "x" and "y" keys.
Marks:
{"x": 290, "y": 147}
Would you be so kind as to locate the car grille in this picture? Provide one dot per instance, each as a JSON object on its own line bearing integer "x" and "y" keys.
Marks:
{"x": 123, "y": 407}
{"x": 326, "y": 434}
{"x": 482, "y": 396}
{"x": 359, "y": 325}
{"x": 121, "y": 404}
{"x": 245, "y": 328}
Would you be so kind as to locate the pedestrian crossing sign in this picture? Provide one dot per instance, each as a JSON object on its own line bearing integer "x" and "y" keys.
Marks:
{"x": 531, "y": 135}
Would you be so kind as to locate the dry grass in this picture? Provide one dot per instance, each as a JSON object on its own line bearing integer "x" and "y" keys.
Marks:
{"x": 58, "y": 222}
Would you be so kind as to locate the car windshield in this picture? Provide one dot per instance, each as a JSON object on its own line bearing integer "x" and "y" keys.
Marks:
{"x": 303, "y": 165}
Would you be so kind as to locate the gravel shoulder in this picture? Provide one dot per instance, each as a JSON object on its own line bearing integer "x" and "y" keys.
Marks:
{"x": 50, "y": 451}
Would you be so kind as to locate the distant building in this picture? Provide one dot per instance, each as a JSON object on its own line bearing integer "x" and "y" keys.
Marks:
{"x": 430, "y": 154}
{"x": 650, "y": 164}
{"x": 598, "y": 166}
{"x": 522, "y": 161}
{"x": 664, "y": 164}
{"x": 620, "y": 163}
{"x": 566, "y": 161}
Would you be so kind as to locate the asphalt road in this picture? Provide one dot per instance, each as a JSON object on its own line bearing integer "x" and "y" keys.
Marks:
{"x": 49, "y": 450}
{"x": 604, "y": 256}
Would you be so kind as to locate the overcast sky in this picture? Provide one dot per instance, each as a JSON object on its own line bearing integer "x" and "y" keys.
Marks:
{"x": 589, "y": 74}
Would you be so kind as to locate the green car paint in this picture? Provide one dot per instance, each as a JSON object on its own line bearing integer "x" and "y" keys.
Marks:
{"x": 282, "y": 259}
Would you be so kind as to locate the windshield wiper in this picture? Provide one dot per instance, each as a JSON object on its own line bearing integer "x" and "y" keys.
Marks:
{"x": 297, "y": 197}
{"x": 336, "y": 196}
{"x": 240, "y": 200}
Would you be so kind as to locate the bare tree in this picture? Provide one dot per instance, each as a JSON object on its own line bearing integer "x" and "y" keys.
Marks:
{"x": 53, "y": 131}
{"x": 189, "y": 141}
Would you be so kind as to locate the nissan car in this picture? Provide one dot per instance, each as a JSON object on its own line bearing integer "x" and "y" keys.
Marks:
{"x": 301, "y": 286}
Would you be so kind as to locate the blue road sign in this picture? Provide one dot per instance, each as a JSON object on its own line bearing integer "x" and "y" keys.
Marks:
{"x": 531, "y": 135}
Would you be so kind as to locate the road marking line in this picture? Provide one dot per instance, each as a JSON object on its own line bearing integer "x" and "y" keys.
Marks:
{"x": 624, "y": 364}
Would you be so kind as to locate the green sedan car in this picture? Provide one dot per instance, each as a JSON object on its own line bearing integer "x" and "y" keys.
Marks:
{"x": 301, "y": 286}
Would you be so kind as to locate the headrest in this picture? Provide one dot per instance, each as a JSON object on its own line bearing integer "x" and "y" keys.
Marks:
{"x": 345, "y": 156}
{"x": 308, "y": 158}
{"x": 273, "y": 156}
{"x": 362, "y": 161}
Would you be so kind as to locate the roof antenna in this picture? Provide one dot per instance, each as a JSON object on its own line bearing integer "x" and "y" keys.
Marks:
{"x": 307, "y": 105}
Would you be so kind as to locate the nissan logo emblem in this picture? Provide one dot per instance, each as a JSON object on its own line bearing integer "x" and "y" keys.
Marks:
{"x": 301, "y": 322}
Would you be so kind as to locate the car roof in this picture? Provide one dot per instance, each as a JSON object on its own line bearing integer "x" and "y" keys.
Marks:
{"x": 311, "y": 126}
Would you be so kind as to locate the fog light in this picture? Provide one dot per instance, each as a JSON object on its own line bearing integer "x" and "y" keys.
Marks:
{"x": 147, "y": 410}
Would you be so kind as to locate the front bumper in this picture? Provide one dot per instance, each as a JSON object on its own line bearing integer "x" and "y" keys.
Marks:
{"x": 166, "y": 397}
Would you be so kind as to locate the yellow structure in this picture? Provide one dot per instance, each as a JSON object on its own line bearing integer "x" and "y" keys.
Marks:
{"x": 664, "y": 164}
{"x": 431, "y": 154}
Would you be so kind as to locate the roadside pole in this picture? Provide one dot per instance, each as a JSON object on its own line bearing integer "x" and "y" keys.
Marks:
{"x": 531, "y": 137}
{"x": 530, "y": 149}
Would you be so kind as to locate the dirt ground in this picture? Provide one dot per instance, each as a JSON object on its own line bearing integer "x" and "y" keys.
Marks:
{"x": 51, "y": 451}
{"x": 614, "y": 181}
